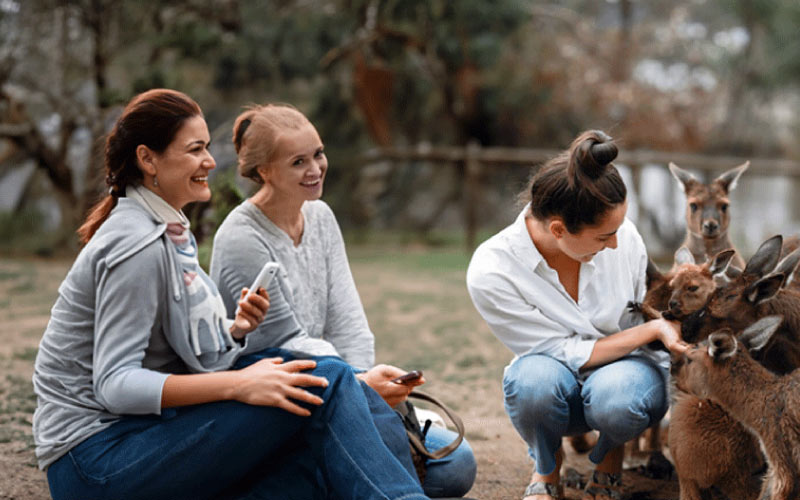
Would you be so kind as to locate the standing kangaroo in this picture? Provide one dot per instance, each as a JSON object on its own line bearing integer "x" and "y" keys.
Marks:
{"x": 707, "y": 214}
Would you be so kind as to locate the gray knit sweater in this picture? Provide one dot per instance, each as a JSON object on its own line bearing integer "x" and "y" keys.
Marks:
{"x": 119, "y": 327}
{"x": 314, "y": 304}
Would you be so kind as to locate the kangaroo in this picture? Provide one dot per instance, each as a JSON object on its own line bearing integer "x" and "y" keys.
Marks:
{"x": 707, "y": 212}
{"x": 760, "y": 290}
{"x": 685, "y": 288}
{"x": 701, "y": 432}
{"x": 768, "y": 405}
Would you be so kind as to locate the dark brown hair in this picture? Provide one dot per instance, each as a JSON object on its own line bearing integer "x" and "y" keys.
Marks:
{"x": 256, "y": 133}
{"x": 580, "y": 185}
{"x": 152, "y": 118}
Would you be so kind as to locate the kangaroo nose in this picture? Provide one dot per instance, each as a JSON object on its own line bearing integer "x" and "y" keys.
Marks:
{"x": 673, "y": 304}
{"x": 710, "y": 226}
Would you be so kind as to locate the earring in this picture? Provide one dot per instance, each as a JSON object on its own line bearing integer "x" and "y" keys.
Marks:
{"x": 155, "y": 181}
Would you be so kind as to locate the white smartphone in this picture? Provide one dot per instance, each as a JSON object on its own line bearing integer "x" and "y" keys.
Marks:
{"x": 264, "y": 277}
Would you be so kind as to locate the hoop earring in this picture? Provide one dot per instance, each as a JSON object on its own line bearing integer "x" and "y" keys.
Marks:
{"x": 155, "y": 181}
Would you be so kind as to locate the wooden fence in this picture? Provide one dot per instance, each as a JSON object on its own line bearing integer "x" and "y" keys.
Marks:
{"x": 474, "y": 158}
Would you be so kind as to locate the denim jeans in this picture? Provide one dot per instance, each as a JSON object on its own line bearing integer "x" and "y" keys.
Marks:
{"x": 545, "y": 402}
{"x": 216, "y": 450}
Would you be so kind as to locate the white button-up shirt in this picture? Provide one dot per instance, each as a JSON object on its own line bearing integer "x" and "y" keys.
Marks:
{"x": 529, "y": 310}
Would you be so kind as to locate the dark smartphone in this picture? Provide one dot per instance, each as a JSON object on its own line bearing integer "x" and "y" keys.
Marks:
{"x": 409, "y": 377}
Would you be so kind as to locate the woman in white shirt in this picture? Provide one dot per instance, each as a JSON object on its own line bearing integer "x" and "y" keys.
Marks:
{"x": 552, "y": 295}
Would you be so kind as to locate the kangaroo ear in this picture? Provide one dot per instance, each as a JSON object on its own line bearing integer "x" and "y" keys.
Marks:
{"x": 766, "y": 257}
{"x": 685, "y": 179}
{"x": 653, "y": 274}
{"x": 764, "y": 289}
{"x": 721, "y": 261}
{"x": 787, "y": 265}
{"x": 684, "y": 256}
{"x": 756, "y": 336}
{"x": 721, "y": 346}
{"x": 729, "y": 179}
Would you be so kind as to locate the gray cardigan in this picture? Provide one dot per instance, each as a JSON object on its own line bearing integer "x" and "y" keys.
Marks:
{"x": 314, "y": 304}
{"x": 118, "y": 328}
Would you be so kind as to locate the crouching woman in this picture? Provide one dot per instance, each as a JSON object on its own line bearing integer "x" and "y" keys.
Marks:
{"x": 553, "y": 287}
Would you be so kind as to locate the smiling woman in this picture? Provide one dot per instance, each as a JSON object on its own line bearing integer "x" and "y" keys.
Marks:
{"x": 146, "y": 388}
{"x": 315, "y": 307}
{"x": 553, "y": 287}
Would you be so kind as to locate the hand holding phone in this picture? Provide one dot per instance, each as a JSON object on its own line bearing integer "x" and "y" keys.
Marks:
{"x": 264, "y": 277}
{"x": 408, "y": 378}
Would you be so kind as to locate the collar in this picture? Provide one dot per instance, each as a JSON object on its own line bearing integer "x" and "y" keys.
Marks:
{"x": 521, "y": 243}
{"x": 156, "y": 206}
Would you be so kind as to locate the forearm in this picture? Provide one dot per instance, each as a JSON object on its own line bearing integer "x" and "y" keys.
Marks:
{"x": 619, "y": 344}
{"x": 197, "y": 388}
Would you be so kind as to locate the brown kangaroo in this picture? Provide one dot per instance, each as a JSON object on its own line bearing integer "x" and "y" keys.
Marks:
{"x": 708, "y": 446}
{"x": 685, "y": 288}
{"x": 768, "y": 405}
{"x": 707, "y": 212}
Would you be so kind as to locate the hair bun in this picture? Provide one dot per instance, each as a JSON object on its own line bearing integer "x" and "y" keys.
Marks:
{"x": 594, "y": 152}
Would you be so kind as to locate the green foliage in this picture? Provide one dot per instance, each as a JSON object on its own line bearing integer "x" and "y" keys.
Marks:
{"x": 24, "y": 232}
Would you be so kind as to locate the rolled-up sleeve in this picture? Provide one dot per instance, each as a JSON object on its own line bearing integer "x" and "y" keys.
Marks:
{"x": 521, "y": 326}
{"x": 127, "y": 307}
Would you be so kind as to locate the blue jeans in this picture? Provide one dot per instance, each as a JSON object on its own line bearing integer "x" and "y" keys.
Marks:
{"x": 229, "y": 449}
{"x": 545, "y": 402}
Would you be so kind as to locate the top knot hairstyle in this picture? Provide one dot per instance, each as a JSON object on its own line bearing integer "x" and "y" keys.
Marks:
{"x": 257, "y": 131}
{"x": 580, "y": 185}
{"x": 153, "y": 119}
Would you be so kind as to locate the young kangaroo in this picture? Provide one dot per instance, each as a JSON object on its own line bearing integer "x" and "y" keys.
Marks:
{"x": 708, "y": 446}
{"x": 707, "y": 214}
{"x": 760, "y": 290}
{"x": 685, "y": 288}
{"x": 720, "y": 369}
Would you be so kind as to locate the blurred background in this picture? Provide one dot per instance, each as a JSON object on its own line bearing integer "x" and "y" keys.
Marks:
{"x": 433, "y": 112}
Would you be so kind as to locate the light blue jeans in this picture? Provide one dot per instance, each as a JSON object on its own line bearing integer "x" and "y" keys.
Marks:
{"x": 545, "y": 402}
{"x": 228, "y": 449}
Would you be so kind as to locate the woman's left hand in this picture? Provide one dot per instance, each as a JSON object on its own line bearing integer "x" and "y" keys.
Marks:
{"x": 250, "y": 313}
{"x": 380, "y": 378}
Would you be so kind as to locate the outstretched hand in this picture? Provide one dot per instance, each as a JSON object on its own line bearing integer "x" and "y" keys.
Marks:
{"x": 380, "y": 378}
{"x": 669, "y": 333}
{"x": 271, "y": 382}
{"x": 250, "y": 313}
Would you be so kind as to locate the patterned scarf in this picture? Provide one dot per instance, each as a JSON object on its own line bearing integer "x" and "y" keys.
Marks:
{"x": 209, "y": 327}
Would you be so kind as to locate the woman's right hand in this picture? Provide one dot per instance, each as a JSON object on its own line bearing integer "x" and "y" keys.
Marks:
{"x": 669, "y": 333}
{"x": 271, "y": 382}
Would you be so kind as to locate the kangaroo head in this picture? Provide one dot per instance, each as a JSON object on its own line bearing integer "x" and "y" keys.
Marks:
{"x": 709, "y": 363}
{"x": 692, "y": 284}
{"x": 707, "y": 213}
{"x": 736, "y": 300}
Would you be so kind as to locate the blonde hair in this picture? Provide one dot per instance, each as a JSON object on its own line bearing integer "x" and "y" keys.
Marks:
{"x": 256, "y": 132}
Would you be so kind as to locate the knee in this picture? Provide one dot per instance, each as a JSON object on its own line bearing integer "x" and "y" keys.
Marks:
{"x": 539, "y": 387}
{"x": 625, "y": 415}
{"x": 453, "y": 475}
{"x": 332, "y": 368}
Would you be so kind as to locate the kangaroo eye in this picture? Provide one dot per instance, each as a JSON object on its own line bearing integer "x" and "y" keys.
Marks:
{"x": 693, "y": 288}
{"x": 724, "y": 207}
{"x": 693, "y": 207}
{"x": 730, "y": 297}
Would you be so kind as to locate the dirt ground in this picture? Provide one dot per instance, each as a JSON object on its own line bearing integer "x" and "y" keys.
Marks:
{"x": 418, "y": 308}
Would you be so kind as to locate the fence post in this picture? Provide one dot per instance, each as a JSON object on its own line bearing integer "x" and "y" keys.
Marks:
{"x": 472, "y": 171}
